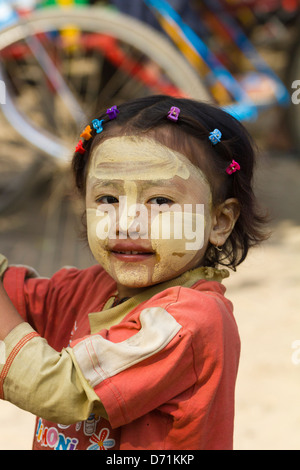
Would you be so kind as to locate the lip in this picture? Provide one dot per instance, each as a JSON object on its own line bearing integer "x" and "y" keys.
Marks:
{"x": 131, "y": 252}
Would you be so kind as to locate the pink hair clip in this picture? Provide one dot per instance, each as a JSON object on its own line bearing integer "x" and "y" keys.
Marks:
{"x": 173, "y": 114}
{"x": 79, "y": 148}
{"x": 233, "y": 167}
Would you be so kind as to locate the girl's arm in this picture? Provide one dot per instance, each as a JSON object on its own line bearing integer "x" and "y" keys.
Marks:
{"x": 36, "y": 377}
{"x": 9, "y": 317}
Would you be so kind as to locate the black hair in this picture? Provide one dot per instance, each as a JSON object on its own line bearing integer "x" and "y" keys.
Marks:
{"x": 190, "y": 136}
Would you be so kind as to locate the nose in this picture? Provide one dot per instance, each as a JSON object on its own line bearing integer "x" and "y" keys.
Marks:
{"x": 132, "y": 220}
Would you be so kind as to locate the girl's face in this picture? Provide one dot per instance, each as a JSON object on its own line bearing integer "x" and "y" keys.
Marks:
{"x": 148, "y": 212}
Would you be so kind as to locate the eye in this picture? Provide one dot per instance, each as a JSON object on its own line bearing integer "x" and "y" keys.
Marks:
{"x": 159, "y": 200}
{"x": 107, "y": 200}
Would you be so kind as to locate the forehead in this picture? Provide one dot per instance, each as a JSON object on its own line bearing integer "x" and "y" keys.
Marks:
{"x": 138, "y": 158}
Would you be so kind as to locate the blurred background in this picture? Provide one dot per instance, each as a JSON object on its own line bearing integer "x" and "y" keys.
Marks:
{"x": 61, "y": 61}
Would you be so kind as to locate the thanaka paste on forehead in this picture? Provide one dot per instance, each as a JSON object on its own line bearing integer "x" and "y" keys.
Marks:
{"x": 137, "y": 158}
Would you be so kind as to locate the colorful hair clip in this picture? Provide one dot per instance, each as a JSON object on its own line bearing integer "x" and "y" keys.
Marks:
{"x": 86, "y": 134}
{"x": 79, "y": 148}
{"x": 215, "y": 136}
{"x": 173, "y": 114}
{"x": 233, "y": 167}
{"x": 97, "y": 125}
{"x": 112, "y": 112}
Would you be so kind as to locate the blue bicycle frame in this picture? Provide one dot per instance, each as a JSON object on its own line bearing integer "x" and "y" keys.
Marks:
{"x": 243, "y": 108}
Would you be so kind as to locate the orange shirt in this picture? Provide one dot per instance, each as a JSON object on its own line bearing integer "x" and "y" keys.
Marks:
{"x": 163, "y": 364}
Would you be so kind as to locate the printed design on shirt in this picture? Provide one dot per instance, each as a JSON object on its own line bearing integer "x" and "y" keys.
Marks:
{"x": 100, "y": 359}
{"x": 101, "y": 442}
{"x": 90, "y": 425}
{"x": 51, "y": 437}
{"x": 66, "y": 426}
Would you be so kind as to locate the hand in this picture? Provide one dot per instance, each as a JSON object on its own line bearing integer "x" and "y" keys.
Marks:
{"x": 9, "y": 317}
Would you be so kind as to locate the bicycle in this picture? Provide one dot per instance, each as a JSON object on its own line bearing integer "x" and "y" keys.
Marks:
{"x": 105, "y": 32}
{"x": 214, "y": 82}
{"x": 72, "y": 62}
{"x": 125, "y": 59}
{"x": 93, "y": 47}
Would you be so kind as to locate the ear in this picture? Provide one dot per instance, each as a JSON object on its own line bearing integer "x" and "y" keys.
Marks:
{"x": 224, "y": 218}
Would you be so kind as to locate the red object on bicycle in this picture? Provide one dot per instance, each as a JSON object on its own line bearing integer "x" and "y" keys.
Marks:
{"x": 142, "y": 72}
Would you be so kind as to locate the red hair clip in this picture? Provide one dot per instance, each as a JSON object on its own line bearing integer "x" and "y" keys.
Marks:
{"x": 233, "y": 167}
{"x": 79, "y": 148}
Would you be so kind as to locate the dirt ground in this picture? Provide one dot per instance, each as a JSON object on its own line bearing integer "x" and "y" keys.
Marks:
{"x": 265, "y": 291}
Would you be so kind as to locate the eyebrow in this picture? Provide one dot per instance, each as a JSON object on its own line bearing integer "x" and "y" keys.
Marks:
{"x": 116, "y": 183}
{"x": 104, "y": 183}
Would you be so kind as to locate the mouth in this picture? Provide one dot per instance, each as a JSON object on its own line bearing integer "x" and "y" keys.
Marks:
{"x": 132, "y": 254}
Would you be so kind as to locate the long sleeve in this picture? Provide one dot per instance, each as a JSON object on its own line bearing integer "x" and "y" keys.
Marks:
{"x": 45, "y": 382}
{"x": 53, "y": 305}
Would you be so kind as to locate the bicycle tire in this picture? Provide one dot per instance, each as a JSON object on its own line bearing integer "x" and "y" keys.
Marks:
{"x": 100, "y": 20}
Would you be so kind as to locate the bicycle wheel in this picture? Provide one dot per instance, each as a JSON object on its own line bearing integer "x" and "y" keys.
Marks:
{"x": 61, "y": 66}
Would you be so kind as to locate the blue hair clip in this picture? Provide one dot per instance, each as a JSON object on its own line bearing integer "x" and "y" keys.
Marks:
{"x": 97, "y": 125}
{"x": 215, "y": 136}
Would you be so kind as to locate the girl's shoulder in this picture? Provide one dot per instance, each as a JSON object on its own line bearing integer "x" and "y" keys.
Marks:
{"x": 202, "y": 303}
{"x": 202, "y": 310}
{"x": 200, "y": 294}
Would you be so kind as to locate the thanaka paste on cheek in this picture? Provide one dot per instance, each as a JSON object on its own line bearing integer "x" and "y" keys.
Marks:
{"x": 180, "y": 246}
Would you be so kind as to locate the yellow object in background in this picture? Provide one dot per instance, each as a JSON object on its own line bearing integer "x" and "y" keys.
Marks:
{"x": 63, "y": 3}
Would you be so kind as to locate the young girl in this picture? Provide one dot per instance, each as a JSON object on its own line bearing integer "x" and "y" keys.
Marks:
{"x": 140, "y": 351}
